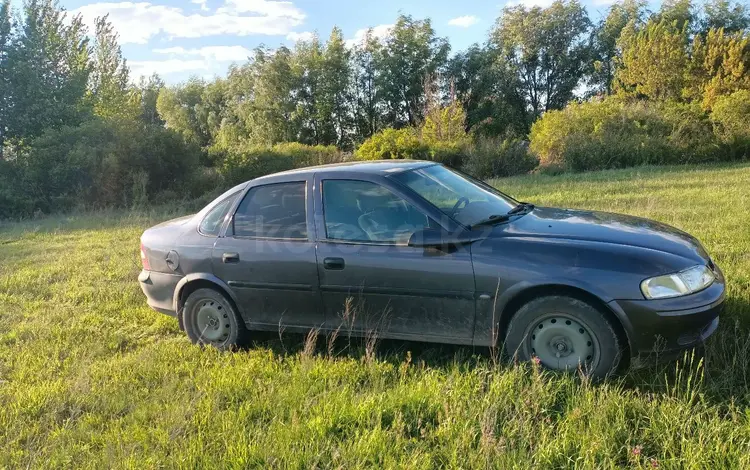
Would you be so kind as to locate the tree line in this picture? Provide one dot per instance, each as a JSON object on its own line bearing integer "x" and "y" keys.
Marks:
{"x": 403, "y": 94}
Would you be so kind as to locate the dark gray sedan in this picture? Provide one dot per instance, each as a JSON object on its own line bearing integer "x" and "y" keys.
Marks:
{"x": 414, "y": 250}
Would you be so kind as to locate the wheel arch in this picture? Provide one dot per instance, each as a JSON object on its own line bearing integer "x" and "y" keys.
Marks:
{"x": 193, "y": 282}
{"x": 522, "y": 296}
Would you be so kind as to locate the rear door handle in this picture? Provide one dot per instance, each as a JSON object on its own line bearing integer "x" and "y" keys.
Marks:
{"x": 230, "y": 258}
{"x": 334, "y": 264}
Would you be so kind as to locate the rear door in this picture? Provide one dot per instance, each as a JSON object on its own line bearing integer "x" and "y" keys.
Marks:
{"x": 268, "y": 259}
{"x": 372, "y": 282}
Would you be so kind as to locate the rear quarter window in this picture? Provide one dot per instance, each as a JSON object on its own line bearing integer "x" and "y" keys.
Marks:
{"x": 212, "y": 222}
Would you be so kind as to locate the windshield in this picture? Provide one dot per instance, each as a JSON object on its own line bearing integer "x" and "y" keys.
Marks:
{"x": 465, "y": 199}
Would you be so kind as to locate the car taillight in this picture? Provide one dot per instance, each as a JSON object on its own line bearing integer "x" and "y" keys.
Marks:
{"x": 144, "y": 259}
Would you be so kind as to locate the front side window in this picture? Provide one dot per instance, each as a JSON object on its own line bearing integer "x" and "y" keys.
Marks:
{"x": 211, "y": 223}
{"x": 273, "y": 211}
{"x": 360, "y": 211}
{"x": 459, "y": 196}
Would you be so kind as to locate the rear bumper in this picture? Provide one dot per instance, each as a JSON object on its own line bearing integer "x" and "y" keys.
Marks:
{"x": 662, "y": 329}
{"x": 159, "y": 290}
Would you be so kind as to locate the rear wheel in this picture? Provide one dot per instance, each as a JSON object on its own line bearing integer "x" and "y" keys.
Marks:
{"x": 210, "y": 319}
{"x": 564, "y": 334}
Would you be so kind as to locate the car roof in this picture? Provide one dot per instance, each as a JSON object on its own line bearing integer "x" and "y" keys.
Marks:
{"x": 381, "y": 167}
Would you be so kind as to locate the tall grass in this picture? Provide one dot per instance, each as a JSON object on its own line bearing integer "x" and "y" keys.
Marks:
{"x": 90, "y": 377}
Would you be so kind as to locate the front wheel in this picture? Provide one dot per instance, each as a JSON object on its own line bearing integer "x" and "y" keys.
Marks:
{"x": 210, "y": 319}
{"x": 566, "y": 334}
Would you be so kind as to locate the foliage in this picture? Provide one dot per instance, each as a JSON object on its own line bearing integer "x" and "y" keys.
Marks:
{"x": 180, "y": 108}
{"x": 650, "y": 58}
{"x": 488, "y": 89}
{"x": 444, "y": 123}
{"x": 547, "y": 49}
{"x": 604, "y": 49}
{"x": 720, "y": 66}
{"x": 731, "y": 118}
{"x": 99, "y": 162}
{"x": 46, "y": 69}
{"x": 723, "y": 14}
{"x": 492, "y": 157}
{"x": 109, "y": 88}
{"x": 242, "y": 164}
{"x": 393, "y": 144}
{"x": 613, "y": 133}
{"x": 409, "y": 55}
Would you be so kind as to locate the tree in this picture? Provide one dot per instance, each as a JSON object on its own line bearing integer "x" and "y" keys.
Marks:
{"x": 547, "y": 49}
{"x": 654, "y": 60}
{"x": 308, "y": 63}
{"x": 489, "y": 92}
{"x": 681, "y": 13}
{"x": 47, "y": 70}
{"x": 5, "y": 98}
{"x": 336, "y": 90}
{"x": 719, "y": 66}
{"x": 109, "y": 87}
{"x": 179, "y": 107}
{"x": 148, "y": 91}
{"x": 367, "y": 105}
{"x": 408, "y": 55}
{"x": 270, "y": 117}
{"x": 605, "y": 52}
{"x": 723, "y": 14}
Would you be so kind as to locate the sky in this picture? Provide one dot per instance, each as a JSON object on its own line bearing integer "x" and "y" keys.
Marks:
{"x": 182, "y": 38}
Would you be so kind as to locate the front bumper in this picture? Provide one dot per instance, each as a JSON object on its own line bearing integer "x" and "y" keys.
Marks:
{"x": 159, "y": 290}
{"x": 662, "y": 329}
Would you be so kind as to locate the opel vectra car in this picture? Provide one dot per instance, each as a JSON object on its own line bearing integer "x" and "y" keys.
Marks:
{"x": 417, "y": 251}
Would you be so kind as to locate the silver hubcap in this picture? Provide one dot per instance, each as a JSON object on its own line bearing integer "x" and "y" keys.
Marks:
{"x": 212, "y": 321}
{"x": 562, "y": 343}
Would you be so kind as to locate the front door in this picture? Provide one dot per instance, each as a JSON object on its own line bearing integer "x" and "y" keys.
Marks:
{"x": 372, "y": 282}
{"x": 268, "y": 259}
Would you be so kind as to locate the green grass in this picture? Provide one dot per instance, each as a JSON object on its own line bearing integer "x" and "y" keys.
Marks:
{"x": 90, "y": 377}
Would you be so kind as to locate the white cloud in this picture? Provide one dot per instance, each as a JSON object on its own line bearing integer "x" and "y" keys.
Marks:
{"x": 201, "y": 3}
{"x": 464, "y": 21}
{"x": 147, "y": 68}
{"x": 204, "y": 61}
{"x": 139, "y": 22}
{"x": 211, "y": 53}
{"x": 379, "y": 32}
{"x": 530, "y": 3}
{"x": 303, "y": 36}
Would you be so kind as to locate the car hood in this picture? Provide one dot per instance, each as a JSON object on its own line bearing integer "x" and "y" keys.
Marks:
{"x": 548, "y": 222}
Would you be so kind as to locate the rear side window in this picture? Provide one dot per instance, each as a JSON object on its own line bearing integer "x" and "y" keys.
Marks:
{"x": 211, "y": 224}
{"x": 273, "y": 211}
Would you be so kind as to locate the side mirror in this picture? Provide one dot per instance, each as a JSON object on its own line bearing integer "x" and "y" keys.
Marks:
{"x": 436, "y": 238}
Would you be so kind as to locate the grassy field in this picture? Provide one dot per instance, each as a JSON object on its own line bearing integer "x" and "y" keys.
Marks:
{"x": 90, "y": 377}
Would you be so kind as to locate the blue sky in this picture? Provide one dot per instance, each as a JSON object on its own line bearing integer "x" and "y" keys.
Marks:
{"x": 180, "y": 38}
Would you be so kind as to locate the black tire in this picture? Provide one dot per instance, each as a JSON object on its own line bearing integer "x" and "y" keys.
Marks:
{"x": 210, "y": 319}
{"x": 575, "y": 329}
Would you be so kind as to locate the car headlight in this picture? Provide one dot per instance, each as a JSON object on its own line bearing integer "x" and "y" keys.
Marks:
{"x": 684, "y": 282}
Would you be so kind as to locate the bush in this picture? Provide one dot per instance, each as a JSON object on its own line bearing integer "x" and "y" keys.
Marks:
{"x": 243, "y": 164}
{"x": 731, "y": 121}
{"x": 613, "y": 134}
{"x": 99, "y": 163}
{"x": 392, "y": 144}
{"x": 495, "y": 157}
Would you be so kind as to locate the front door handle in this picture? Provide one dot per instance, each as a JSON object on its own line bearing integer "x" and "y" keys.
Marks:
{"x": 334, "y": 264}
{"x": 228, "y": 258}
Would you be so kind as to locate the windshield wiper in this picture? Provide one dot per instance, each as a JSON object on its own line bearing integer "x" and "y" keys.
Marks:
{"x": 496, "y": 219}
{"x": 493, "y": 219}
{"x": 521, "y": 207}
